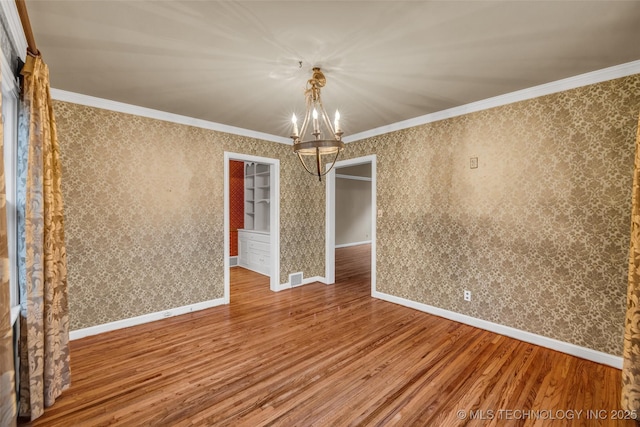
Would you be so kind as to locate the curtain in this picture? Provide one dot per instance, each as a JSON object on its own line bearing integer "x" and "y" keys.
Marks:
{"x": 42, "y": 261}
{"x": 7, "y": 374}
{"x": 631, "y": 354}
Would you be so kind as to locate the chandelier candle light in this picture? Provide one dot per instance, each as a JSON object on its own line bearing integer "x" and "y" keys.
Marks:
{"x": 315, "y": 152}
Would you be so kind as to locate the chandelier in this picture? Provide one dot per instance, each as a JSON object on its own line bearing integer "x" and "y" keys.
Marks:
{"x": 314, "y": 150}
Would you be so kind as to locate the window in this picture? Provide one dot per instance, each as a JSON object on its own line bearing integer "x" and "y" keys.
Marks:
{"x": 10, "y": 129}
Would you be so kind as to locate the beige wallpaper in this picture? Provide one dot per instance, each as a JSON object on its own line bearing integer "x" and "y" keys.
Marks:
{"x": 144, "y": 212}
{"x": 539, "y": 232}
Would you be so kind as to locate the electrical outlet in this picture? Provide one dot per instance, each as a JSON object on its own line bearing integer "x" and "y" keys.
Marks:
{"x": 380, "y": 212}
{"x": 473, "y": 163}
{"x": 467, "y": 295}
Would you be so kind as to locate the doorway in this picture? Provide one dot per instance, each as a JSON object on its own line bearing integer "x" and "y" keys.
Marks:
{"x": 351, "y": 166}
{"x": 274, "y": 218}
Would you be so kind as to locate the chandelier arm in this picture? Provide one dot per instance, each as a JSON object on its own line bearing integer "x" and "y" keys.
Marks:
{"x": 304, "y": 164}
{"x": 325, "y": 117}
{"x": 318, "y": 173}
{"x": 332, "y": 164}
{"x": 318, "y": 163}
{"x": 307, "y": 119}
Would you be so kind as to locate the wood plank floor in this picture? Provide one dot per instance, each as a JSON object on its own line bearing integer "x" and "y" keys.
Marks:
{"x": 325, "y": 356}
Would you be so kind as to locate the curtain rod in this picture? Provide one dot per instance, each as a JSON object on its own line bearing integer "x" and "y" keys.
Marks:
{"x": 26, "y": 26}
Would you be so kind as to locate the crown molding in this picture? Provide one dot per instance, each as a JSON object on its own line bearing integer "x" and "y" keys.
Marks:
{"x": 121, "y": 107}
{"x": 16, "y": 32}
{"x": 586, "y": 79}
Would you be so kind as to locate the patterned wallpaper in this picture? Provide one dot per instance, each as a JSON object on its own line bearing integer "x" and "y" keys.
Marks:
{"x": 539, "y": 232}
{"x": 236, "y": 203}
{"x": 144, "y": 212}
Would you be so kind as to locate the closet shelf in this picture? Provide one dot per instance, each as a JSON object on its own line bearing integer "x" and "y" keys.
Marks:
{"x": 253, "y": 240}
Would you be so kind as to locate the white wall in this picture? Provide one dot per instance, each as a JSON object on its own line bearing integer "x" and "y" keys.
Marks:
{"x": 353, "y": 210}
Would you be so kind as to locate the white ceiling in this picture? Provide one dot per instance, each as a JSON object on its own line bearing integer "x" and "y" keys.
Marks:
{"x": 237, "y": 62}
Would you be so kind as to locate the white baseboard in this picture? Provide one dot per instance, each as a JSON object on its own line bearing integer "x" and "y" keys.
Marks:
{"x": 313, "y": 279}
{"x": 346, "y": 245}
{"x": 246, "y": 267}
{"x": 564, "y": 347}
{"x": 283, "y": 286}
{"x": 305, "y": 281}
{"x": 145, "y": 318}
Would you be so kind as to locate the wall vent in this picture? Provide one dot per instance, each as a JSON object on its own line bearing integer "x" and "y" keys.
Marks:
{"x": 295, "y": 279}
{"x": 233, "y": 261}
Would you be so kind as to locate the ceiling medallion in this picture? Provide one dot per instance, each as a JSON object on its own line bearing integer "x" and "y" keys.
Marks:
{"x": 313, "y": 150}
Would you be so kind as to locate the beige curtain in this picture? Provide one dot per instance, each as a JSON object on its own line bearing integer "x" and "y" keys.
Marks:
{"x": 631, "y": 353}
{"x": 44, "y": 320}
{"x": 7, "y": 374}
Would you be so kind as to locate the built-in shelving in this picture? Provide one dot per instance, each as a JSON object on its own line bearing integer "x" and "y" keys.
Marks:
{"x": 257, "y": 196}
{"x": 253, "y": 240}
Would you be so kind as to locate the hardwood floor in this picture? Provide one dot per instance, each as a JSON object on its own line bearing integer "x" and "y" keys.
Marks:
{"x": 322, "y": 355}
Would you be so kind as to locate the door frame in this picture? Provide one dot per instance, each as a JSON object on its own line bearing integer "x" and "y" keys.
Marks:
{"x": 330, "y": 220}
{"x": 274, "y": 220}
